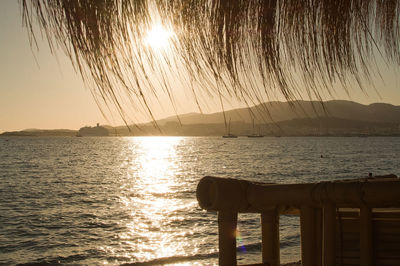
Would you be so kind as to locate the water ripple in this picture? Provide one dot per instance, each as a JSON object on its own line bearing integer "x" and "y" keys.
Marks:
{"x": 132, "y": 200}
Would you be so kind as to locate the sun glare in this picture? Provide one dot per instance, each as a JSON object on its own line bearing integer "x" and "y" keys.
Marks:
{"x": 155, "y": 167}
{"x": 158, "y": 37}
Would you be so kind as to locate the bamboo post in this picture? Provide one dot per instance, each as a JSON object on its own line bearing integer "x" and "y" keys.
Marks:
{"x": 227, "y": 222}
{"x": 329, "y": 234}
{"x": 308, "y": 235}
{"x": 366, "y": 248}
{"x": 318, "y": 236}
{"x": 270, "y": 238}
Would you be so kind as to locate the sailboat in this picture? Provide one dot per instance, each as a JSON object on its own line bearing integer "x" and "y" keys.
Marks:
{"x": 229, "y": 135}
{"x": 254, "y": 135}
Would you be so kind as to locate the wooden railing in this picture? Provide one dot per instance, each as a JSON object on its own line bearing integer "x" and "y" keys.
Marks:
{"x": 330, "y": 214}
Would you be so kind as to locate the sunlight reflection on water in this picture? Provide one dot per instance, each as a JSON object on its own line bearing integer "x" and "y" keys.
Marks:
{"x": 149, "y": 198}
{"x": 88, "y": 201}
{"x": 157, "y": 163}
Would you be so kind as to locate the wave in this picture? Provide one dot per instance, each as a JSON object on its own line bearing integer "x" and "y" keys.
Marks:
{"x": 56, "y": 261}
{"x": 174, "y": 259}
{"x": 253, "y": 247}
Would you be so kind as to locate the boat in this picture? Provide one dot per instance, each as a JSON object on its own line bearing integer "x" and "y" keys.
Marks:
{"x": 254, "y": 135}
{"x": 229, "y": 135}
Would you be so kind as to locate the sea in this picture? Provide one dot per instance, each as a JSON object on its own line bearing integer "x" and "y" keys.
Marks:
{"x": 131, "y": 200}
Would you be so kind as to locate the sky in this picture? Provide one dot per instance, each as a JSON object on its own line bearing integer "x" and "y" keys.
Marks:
{"x": 41, "y": 90}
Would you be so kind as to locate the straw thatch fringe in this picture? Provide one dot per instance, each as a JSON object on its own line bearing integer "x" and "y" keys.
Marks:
{"x": 246, "y": 49}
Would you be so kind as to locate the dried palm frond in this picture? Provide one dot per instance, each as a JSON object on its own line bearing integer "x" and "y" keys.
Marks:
{"x": 245, "y": 49}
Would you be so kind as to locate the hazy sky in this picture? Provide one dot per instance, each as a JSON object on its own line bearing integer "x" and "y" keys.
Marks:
{"x": 47, "y": 93}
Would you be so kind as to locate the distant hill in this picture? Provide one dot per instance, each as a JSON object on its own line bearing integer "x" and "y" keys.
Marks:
{"x": 41, "y": 132}
{"x": 325, "y": 126}
{"x": 300, "y": 118}
{"x": 281, "y": 111}
{"x": 332, "y": 126}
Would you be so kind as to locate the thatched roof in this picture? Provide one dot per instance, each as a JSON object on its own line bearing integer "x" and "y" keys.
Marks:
{"x": 247, "y": 49}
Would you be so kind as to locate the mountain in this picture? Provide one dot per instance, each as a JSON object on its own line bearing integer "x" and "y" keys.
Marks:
{"x": 281, "y": 111}
{"x": 300, "y": 118}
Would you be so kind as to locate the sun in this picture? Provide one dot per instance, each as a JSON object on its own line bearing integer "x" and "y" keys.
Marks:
{"x": 158, "y": 37}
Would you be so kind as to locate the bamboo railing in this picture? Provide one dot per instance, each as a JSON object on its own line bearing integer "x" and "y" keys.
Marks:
{"x": 353, "y": 222}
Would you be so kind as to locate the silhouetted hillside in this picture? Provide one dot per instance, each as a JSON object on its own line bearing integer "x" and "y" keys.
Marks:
{"x": 281, "y": 111}
{"x": 300, "y": 118}
{"x": 333, "y": 126}
{"x": 282, "y": 118}
{"x": 320, "y": 126}
{"x": 41, "y": 132}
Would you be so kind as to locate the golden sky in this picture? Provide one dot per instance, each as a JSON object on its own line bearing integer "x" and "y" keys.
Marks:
{"x": 39, "y": 90}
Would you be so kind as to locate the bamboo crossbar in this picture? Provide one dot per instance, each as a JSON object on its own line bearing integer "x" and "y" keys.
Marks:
{"x": 226, "y": 194}
{"x": 341, "y": 222}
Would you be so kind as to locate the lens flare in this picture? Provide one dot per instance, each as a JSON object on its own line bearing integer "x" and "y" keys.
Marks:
{"x": 239, "y": 240}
